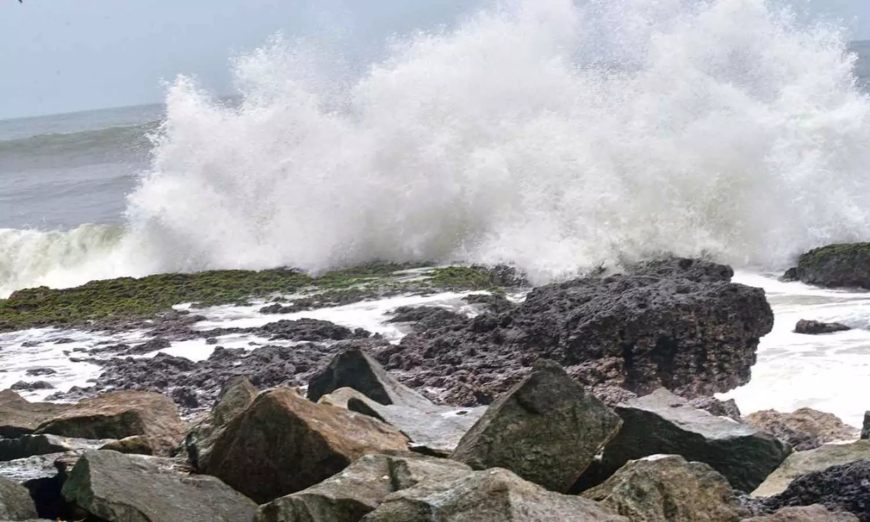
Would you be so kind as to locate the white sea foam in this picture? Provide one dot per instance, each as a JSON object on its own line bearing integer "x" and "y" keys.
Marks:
{"x": 549, "y": 133}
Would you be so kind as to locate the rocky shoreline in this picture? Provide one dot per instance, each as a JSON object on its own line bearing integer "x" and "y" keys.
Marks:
{"x": 588, "y": 400}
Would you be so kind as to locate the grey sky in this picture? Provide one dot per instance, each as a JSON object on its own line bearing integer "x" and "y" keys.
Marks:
{"x": 68, "y": 55}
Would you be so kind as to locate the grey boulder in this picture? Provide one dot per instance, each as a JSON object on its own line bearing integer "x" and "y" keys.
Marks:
{"x": 15, "y": 501}
{"x": 803, "y": 462}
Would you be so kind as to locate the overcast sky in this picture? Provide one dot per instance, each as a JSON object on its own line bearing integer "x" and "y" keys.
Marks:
{"x": 69, "y": 55}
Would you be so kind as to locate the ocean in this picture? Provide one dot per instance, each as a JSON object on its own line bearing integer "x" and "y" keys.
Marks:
{"x": 551, "y": 136}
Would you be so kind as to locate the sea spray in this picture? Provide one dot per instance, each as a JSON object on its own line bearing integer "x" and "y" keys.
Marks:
{"x": 552, "y": 134}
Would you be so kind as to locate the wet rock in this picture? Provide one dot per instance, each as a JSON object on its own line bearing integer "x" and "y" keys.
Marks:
{"x": 15, "y": 502}
{"x": 679, "y": 324}
{"x": 359, "y": 489}
{"x": 310, "y": 330}
{"x": 425, "y": 317}
{"x": 136, "y": 445}
{"x": 40, "y": 372}
{"x": 235, "y": 397}
{"x": 865, "y": 429}
{"x": 20, "y": 417}
{"x": 666, "y": 488}
{"x": 494, "y": 495}
{"x": 493, "y": 303}
{"x": 718, "y": 408}
{"x": 128, "y": 488}
{"x": 845, "y": 487}
{"x": 152, "y": 345}
{"x": 817, "y": 327}
{"x": 32, "y": 445}
{"x": 803, "y": 462}
{"x": 805, "y": 429}
{"x": 282, "y": 443}
{"x": 119, "y": 415}
{"x": 833, "y": 266}
{"x": 31, "y": 386}
{"x": 813, "y": 513}
{"x": 662, "y": 423}
{"x": 546, "y": 430}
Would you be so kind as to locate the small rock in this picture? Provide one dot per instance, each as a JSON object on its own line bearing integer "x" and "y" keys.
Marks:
{"x": 127, "y": 488}
{"x": 814, "y": 513}
{"x": 666, "y": 488}
{"x": 494, "y": 495}
{"x": 546, "y": 429}
{"x": 149, "y": 346}
{"x": 283, "y": 443}
{"x": 805, "y": 429}
{"x": 15, "y": 501}
{"x": 718, "y": 408}
{"x": 40, "y": 372}
{"x": 31, "y": 386}
{"x": 135, "y": 445}
{"x": 817, "y": 328}
{"x": 803, "y": 462}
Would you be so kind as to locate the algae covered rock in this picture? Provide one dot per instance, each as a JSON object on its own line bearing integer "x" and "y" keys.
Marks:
{"x": 832, "y": 266}
{"x": 282, "y": 443}
{"x": 494, "y": 495}
{"x": 666, "y": 488}
{"x": 546, "y": 430}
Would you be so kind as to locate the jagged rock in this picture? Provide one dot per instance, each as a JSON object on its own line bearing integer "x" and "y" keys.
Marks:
{"x": 359, "y": 489}
{"x": 136, "y": 488}
{"x": 662, "y": 423}
{"x": 817, "y": 327}
{"x": 235, "y": 397}
{"x": 803, "y": 462}
{"x": 120, "y": 415}
{"x": 425, "y": 317}
{"x": 813, "y": 513}
{"x": 18, "y": 416}
{"x": 282, "y": 443}
{"x": 666, "y": 488}
{"x": 804, "y": 429}
{"x": 494, "y": 495}
{"x": 15, "y": 501}
{"x": 845, "y": 487}
{"x": 32, "y": 445}
{"x": 135, "y": 445}
{"x": 433, "y": 430}
{"x": 832, "y": 266}
{"x": 718, "y": 408}
{"x": 679, "y": 324}
{"x": 546, "y": 430}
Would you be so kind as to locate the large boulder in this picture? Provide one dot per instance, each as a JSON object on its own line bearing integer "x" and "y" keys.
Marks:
{"x": 18, "y": 416}
{"x": 546, "y": 430}
{"x": 359, "y": 489}
{"x": 679, "y": 324}
{"x": 666, "y": 488}
{"x": 433, "y": 430}
{"x": 846, "y": 265}
{"x": 235, "y": 397}
{"x": 119, "y": 415}
{"x": 804, "y": 429}
{"x": 803, "y": 462}
{"x": 15, "y": 501}
{"x": 283, "y": 443}
{"x": 494, "y": 495}
{"x": 813, "y": 513}
{"x": 135, "y": 488}
{"x": 662, "y": 423}
{"x": 845, "y": 487}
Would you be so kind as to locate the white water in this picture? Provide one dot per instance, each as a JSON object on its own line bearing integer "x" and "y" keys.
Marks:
{"x": 549, "y": 133}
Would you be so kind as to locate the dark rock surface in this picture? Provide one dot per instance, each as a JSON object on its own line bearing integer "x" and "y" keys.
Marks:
{"x": 807, "y": 327}
{"x": 135, "y": 488}
{"x": 804, "y": 429}
{"x": 814, "y": 513}
{"x": 32, "y": 445}
{"x": 546, "y": 429}
{"x": 677, "y": 323}
{"x": 845, "y": 487}
{"x": 662, "y": 423}
{"x": 832, "y": 266}
{"x": 865, "y": 427}
{"x": 31, "y": 386}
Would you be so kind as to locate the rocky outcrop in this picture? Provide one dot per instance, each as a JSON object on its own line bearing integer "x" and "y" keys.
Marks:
{"x": 845, "y": 487}
{"x": 283, "y": 443}
{"x": 546, "y": 430}
{"x": 662, "y": 423}
{"x": 666, "y": 488}
{"x": 803, "y": 462}
{"x": 32, "y": 445}
{"x": 814, "y": 513}
{"x": 679, "y": 324}
{"x": 235, "y": 397}
{"x": 135, "y": 488}
{"x": 119, "y": 415}
{"x": 359, "y": 489}
{"x": 807, "y": 327}
{"x": 494, "y": 495}
{"x": 832, "y": 266}
{"x": 15, "y": 502}
{"x": 18, "y": 416}
{"x": 804, "y": 429}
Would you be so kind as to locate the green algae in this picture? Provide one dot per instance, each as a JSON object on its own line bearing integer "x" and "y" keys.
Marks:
{"x": 129, "y": 299}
